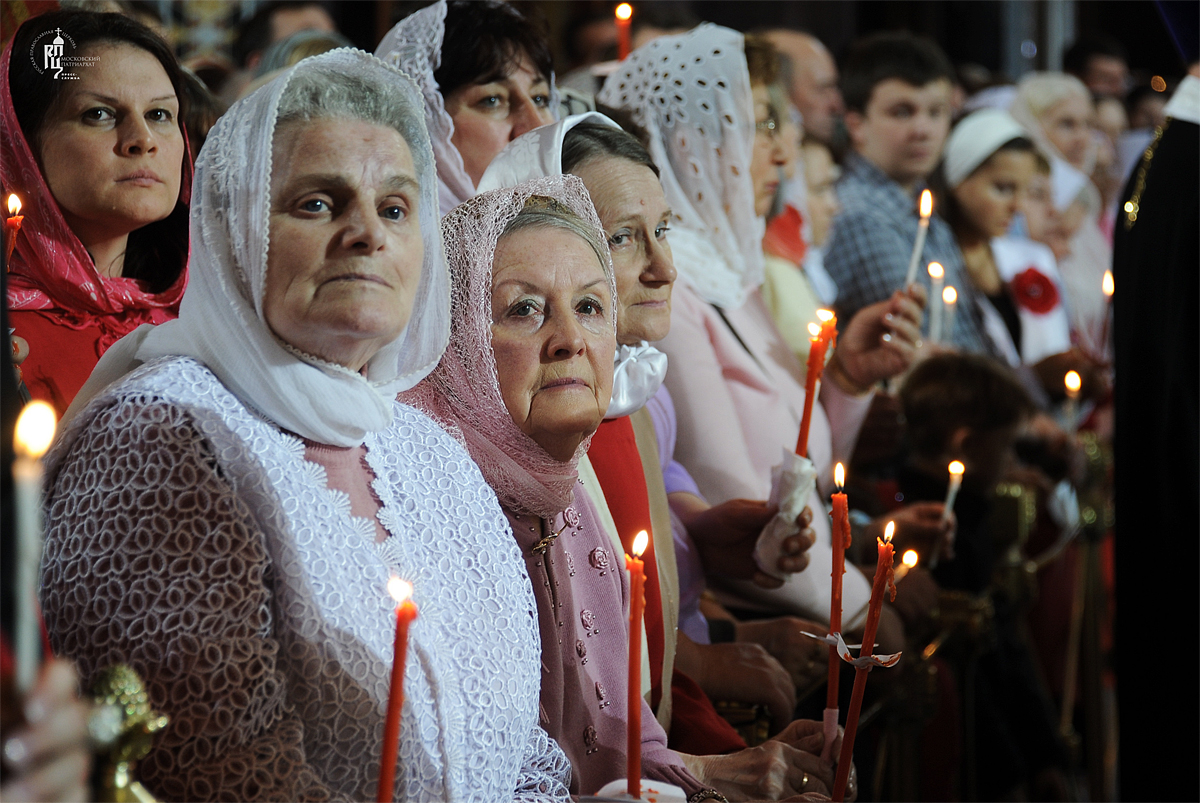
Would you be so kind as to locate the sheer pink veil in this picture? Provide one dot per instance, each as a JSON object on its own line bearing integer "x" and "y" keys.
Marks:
{"x": 463, "y": 392}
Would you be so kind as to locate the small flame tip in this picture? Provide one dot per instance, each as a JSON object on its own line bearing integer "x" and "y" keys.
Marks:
{"x": 640, "y": 542}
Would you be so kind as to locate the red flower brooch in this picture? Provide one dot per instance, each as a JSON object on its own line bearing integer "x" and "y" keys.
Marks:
{"x": 1034, "y": 291}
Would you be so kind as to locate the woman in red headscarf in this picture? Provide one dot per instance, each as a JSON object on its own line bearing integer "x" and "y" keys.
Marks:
{"x": 97, "y": 154}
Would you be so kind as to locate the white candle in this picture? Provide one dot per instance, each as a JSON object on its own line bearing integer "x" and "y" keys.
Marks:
{"x": 1072, "y": 382}
{"x": 937, "y": 275}
{"x": 34, "y": 432}
{"x": 950, "y": 301}
{"x": 922, "y": 230}
{"x": 907, "y": 564}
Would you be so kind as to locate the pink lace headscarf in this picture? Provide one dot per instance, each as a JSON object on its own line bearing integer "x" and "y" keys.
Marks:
{"x": 463, "y": 393}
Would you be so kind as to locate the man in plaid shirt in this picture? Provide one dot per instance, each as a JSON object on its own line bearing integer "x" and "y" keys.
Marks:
{"x": 897, "y": 94}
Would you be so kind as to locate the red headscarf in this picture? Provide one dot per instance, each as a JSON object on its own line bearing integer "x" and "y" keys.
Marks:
{"x": 50, "y": 269}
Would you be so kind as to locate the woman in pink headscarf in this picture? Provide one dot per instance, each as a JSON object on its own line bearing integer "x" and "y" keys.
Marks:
{"x": 100, "y": 165}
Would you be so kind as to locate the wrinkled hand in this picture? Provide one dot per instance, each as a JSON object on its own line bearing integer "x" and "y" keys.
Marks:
{"x": 740, "y": 672}
{"x": 918, "y": 526}
{"x": 772, "y": 771}
{"x": 1093, "y": 374}
{"x": 881, "y": 339}
{"x": 804, "y": 658}
{"x": 49, "y": 757}
{"x": 725, "y": 536}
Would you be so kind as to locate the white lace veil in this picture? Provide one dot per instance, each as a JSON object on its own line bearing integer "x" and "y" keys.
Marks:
{"x": 463, "y": 393}
{"x": 221, "y": 322}
{"x": 414, "y": 45}
{"x": 691, "y": 92}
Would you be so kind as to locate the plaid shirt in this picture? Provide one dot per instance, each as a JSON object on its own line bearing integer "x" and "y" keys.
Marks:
{"x": 871, "y": 244}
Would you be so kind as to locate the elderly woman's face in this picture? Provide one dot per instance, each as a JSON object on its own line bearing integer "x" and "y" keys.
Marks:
{"x": 770, "y": 151}
{"x": 110, "y": 148}
{"x": 490, "y": 115}
{"x": 1068, "y": 125}
{"x": 634, "y": 213}
{"x": 346, "y": 250}
{"x": 551, "y": 336}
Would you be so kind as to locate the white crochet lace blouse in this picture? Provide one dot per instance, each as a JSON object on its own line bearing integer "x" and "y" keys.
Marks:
{"x": 189, "y": 537}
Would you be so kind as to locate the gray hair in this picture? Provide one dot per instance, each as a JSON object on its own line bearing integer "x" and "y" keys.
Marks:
{"x": 541, "y": 212}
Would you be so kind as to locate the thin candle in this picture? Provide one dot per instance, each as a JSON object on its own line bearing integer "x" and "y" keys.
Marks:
{"x": 33, "y": 435}
{"x": 841, "y": 540}
{"x": 637, "y": 584}
{"x": 883, "y": 579}
{"x": 922, "y": 231}
{"x": 1108, "y": 287}
{"x": 950, "y": 302}
{"x": 406, "y": 612}
{"x": 908, "y": 562}
{"x": 1072, "y": 382}
{"x": 624, "y": 15}
{"x": 937, "y": 274}
{"x": 956, "y": 469}
{"x": 824, "y": 336}
{"x": 12, "y": 225}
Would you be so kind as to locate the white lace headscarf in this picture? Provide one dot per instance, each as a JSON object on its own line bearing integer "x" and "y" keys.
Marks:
{"x": 221, "y": 320}
{"x": 414, "y": 45}
{"x": 691, "y": 93}
{"x": 463, "y": 393}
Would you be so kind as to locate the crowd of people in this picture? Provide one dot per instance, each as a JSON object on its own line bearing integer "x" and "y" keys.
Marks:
{"x": 428, "y": 313}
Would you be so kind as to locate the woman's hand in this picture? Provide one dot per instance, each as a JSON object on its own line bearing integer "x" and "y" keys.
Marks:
{"x": 804, "y": 658}
{"x": 739, "y": 672}
{"x": 880, "y": 341}
{"x": 725, "y": 536}
{"x": 919, "y": 526}
{"x": 49, "y": 757}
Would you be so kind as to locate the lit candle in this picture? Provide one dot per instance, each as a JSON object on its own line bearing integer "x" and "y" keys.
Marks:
{"x": 624, "y": 14}
{"x": 841, "y": 540}
{"x": 34, "y": 432}
{"x": 950, "y": 301}
{"x": 406, "y": 612}
{"x": 1108, "y": 287}
{"x": 883, "y": 579}
{"x": 922, "y": 230}
{"x": 637, "y": 584}
{"x": 12, "y": 225}
{"x": 823, "y": 336}
{"x": 936, "y": 275}
{"x": 956, "y": 470}
{"x": 908, "y": 561}
{"x": 1072, "y": 382}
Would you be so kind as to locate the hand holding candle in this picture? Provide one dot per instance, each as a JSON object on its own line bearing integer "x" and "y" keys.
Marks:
{"x": 12, "y": 225}
{"x": 34, "y": 433}
{"x": 922, "y": 231}
{"x": 637, "y": 583}
{"x": 824, "y": 337}
{"x": 624, "y": 15}
{"x": 937, "y": 274}
{"x": 406, "y": 612}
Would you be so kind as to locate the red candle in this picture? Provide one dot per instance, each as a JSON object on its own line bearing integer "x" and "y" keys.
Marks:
{"x": 883, "y": 578}
{"x": 841, "y": 540}
{"x": 624, "y": 14}
{"x": 12, "y": 225}
{"x": 823, "y": 336}
{"x": 406, "y": 611}
{"x": 637, "y": 602}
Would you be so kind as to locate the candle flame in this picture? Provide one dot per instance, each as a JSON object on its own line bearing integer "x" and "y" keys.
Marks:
{"x": 910, "y": 558}
{"x": 839, "y": 476}
{"x": 624, "y": 11}
{"x": 926, "y": 204}
{"x": 1108, "y": 286}
{"x": 399, "y": 589}
{"x": 640, "y": 542}
{"x": 814, "y": 329}
{"x": 1072, "y": 381}
{"x": 888, "y": 532}
{"x": 825, "y": 315}
{"x": 950, "y": 295}
{"x": 35, "y": 430}
{"x": 957, "y": 468}
{"x": 14, "y": 204}
{"x": 936, "y": 270}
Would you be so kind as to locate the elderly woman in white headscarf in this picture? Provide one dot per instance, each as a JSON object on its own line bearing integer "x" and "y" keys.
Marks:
{"x": 226, "y": 517}
{"x": 738, "y": 391}
{"x": 486, "y": 73}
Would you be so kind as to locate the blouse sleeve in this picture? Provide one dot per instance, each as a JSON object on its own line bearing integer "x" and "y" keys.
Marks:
{"x": 545, "y": 772}
{"x": 152, "y": 559}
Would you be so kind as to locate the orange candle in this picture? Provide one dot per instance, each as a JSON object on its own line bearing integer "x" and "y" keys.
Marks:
{"x": 624, "y": 14}
{"x": 406, "y": 612}
{"x": 12, "y": 225}
{"x": 841, "y": 540}
{"x": 883, "y": 578}
{"x": 637, "y": 602}
{"x": 823, "y": 336}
